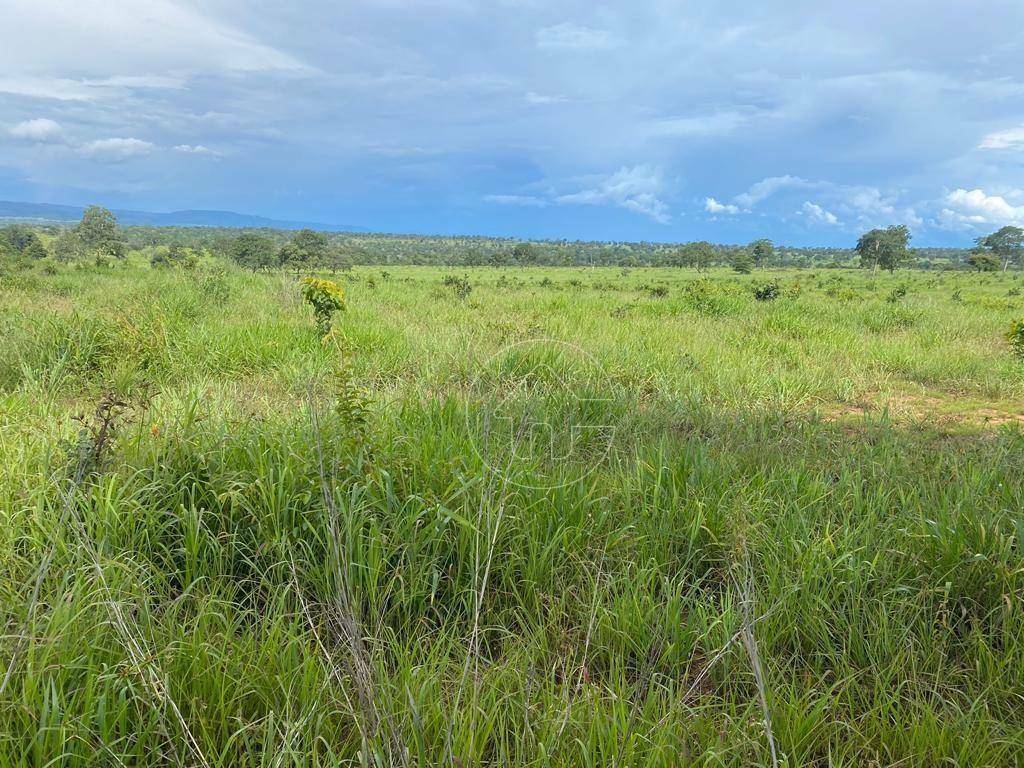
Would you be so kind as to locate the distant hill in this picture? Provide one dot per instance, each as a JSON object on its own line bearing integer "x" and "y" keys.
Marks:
{"x": 50, "y": 212}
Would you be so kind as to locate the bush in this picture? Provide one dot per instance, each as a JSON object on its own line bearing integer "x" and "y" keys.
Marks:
{"x": 709, "y": 298}
{"x": 767, "y": 292}
{"x": 459, "y": 285}
{"x": 326, "y": 297}
{"x": 897, "y": 293}
{"x": 1016, "y": 337}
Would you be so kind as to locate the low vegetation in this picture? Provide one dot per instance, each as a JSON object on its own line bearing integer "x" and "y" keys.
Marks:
{"x": 790, "y": 531}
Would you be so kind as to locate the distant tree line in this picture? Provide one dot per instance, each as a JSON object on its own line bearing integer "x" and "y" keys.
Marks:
{"x": 98, "y": 238}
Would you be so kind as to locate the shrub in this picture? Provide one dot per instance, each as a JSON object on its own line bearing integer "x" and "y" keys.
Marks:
{"x": 897, "y": 293}
{"x": 1016, "y": 337}
{"x": 658, "y": 291}
{"x": 709, "y": 298}
{"x": 459, "y": 285}
{"x": 767, "y": 292}
{"x": 326, "y": 298}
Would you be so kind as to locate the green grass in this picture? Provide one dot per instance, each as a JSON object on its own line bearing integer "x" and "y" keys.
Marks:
{"x": 275, "y": 550}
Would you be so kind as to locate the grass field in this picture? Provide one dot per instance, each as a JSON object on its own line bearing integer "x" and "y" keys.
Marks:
{"x": 793, "y": 535}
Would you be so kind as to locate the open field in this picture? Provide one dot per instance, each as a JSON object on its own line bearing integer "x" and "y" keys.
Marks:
{"x": 228, "y": 542}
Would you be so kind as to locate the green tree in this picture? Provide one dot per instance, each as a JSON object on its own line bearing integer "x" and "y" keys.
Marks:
{"x": 885, "y": 248}
{"x": 99, "y": 233}
{"x": 17, "y": 237}
{"x": 253, "y": 251}
{"x": 306, "y": 250}
{"x": 699, "y": 255}
{"x": 742, "y": 262}
{"x": 69, "y": 246}
{"x": 984, "y": 262}
{"x": 762, "y": 251}
{"x": 35, "y": 249}
{"x": 1006, "y": 245}
{"x": 525, "y": 254}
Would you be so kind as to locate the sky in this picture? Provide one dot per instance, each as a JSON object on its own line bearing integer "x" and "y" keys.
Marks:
{"x": 806, "y": 122}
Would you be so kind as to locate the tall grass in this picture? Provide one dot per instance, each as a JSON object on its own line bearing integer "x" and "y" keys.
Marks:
{"x": 227, "y": 542}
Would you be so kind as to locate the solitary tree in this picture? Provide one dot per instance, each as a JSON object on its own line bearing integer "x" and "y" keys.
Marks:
{"x": 253, "y": 251}
{"x": 699, "y": 255}
{"x": 742, "y": 262}
{"x": 1006, "y": 245}
{"x": 99, "y": 234}
{"x": 885, "y": 248}
{"x": 306, "y": 250}
{"x": 762, "y": 251}
{"x": 983, "y": 262}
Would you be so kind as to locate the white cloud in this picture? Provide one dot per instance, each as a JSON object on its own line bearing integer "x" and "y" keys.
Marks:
{"x": 196, "y": 149}
{"x": 101, "y": 39}
{"x": 713, "y": 206}
{"x": 966, "y": 209}
{"x": 818, "y": 215}
{"x": 526, "y": 201}
{"x": 541, "y": 98}
{"x": 1012, "y": 138}
{"x": 41, "y": 130}
{"x": 859, "y": 206}
{"x": 635, "y": 189}
{"x": 569, "y": 36}
{"x": 115, "y": 150}
{"x": 719, "y": 123}
{"x": 764, "y": 189}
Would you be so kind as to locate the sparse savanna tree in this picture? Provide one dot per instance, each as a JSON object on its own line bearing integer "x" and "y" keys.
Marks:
{"x": 699, "y": 255}
{"x": 253, "y": 251}
{"x": 1006, "y": 245}
{"x": 984, "y": 262}
{"x": 99, "y": 234}
{"x": 306, "y": 250}
{"x": 885, "y": 248}
{"x": 742, "y": 262}
{"x": 762, "y": 251}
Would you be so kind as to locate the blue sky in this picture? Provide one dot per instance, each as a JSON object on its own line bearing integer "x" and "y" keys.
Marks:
{"x": 807, "y": 122}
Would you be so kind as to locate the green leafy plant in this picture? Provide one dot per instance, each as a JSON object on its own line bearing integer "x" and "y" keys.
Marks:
{"x": 767, "y": 292}
{"x": 460, "y": 286}
{"x": 326, "y": 298}
{"x": 1016, "y": 337}
{"x": 897, "y": 293}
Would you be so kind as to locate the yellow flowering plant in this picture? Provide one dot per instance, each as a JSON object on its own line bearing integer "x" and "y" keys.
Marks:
{"x": 326, "y": 297}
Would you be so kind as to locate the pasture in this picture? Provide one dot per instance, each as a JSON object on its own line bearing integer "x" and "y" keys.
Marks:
{"x": 792, "y": 535}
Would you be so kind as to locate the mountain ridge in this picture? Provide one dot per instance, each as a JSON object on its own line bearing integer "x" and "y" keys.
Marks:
{"x": 57, "y": 213}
